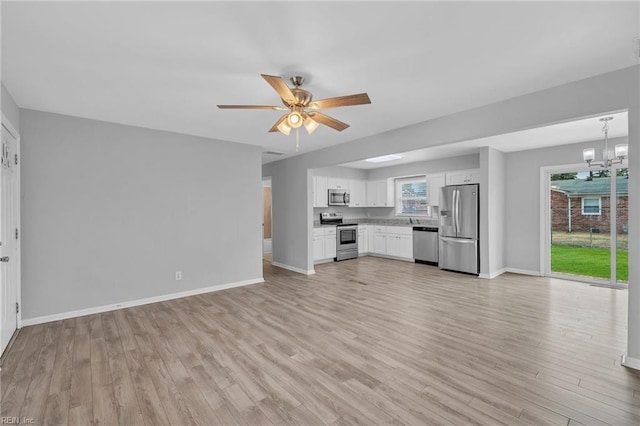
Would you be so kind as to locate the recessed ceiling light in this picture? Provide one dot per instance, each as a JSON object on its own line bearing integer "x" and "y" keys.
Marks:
{"x": 384, "y": 158}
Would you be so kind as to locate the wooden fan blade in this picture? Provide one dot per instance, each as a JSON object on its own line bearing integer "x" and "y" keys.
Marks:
{"x": 252, "y": 107}
{"x": 275, "y": 126}
{"x": 328, "y": 121}
{"x": 280, "y": 86}
{"x": 340, "y": 101}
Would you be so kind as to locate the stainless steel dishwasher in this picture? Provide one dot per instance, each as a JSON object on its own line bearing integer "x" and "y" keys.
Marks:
{"x": 425, "y": 244}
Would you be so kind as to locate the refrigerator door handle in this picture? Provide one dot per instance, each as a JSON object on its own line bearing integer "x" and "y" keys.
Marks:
{"x": 456, "y": 211}
{"x": 458, "y": 240}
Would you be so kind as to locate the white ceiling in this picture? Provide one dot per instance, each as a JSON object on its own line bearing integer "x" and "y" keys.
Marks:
{"x": 584, "y": 130}
{"x": 166, "y": 65}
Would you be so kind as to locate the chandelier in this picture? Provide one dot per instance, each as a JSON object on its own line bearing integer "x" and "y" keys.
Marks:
{"x": 609, "y": 156}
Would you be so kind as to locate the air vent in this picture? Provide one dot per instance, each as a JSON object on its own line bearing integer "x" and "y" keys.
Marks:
{"x": 273, "y": 153}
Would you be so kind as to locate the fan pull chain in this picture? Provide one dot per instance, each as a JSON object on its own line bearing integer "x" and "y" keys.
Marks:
{"x": 297, "y": 139}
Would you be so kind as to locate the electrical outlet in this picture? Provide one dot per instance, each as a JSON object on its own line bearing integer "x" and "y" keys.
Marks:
{"x": 178, "y": 275}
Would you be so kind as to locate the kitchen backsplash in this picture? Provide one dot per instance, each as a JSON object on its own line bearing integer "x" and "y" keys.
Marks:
{"x": 376, "y": 215}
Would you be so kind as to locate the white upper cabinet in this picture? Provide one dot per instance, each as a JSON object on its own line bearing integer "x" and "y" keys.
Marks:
{"x": 337, "y": 183}
{"x": 434, "y": 183}
{"x": 320, "y": 191}
{"x": 380, "y": 193}
{"x": 462, "y": 177}
{"x": 358, "y": 193}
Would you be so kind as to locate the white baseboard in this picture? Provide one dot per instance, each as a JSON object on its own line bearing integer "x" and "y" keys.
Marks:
{"x": 403, "y": 259}
{"x": 294, "y": 269}
{"x": 493, "y": 274}
{"x": 627, "y": 361}
{"x": 131, "y": 303}
{"x": 523, "y": 272}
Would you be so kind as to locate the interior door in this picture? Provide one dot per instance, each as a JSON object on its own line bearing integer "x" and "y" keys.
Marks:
{"x": 8, "y": 228}
{"x": 266, "y": 219}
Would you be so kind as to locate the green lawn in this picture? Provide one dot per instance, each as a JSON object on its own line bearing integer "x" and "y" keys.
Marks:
{"x": 591, "y": 262}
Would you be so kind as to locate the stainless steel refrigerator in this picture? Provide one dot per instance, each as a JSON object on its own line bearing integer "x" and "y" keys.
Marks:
{"x": 458, "y": 244}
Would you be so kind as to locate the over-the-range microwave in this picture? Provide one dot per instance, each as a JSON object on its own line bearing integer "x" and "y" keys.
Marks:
{"x": 338, "y": 197}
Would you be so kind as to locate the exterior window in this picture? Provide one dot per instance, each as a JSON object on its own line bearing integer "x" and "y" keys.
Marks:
{"x": 412, "y": 197}
{"x": 591, "y": 206}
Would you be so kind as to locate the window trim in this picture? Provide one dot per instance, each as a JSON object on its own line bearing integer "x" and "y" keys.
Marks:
{"x": 398, "y": 198}
{"x": 591, "y": 198}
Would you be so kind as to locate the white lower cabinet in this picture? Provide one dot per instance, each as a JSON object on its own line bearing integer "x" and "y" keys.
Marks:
{"x": 330, "y": 243}
{"x": 380, "y": 240}
{"x": 395, "y": 241}
{"x": 363, "y": 239}
{"x": 324, "y": 243}
{"x": 400, "y": 246}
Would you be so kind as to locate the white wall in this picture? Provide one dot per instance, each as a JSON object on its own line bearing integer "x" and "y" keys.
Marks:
{"x": 425, "y": 167}
{"x": 9, "y": 107}
{"x": 492, "y": 212}
{"x": 111, "y": 212}
{"x": 341, "y": 172}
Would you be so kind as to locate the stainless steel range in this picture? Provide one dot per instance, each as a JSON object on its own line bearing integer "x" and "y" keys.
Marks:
{"x": 346, "y": 235}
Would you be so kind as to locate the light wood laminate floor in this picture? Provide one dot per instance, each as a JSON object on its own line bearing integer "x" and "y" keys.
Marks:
{"x": 366, "y": 341}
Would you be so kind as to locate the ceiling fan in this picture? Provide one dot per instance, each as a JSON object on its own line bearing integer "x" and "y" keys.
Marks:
{"x": 303, "y": 110}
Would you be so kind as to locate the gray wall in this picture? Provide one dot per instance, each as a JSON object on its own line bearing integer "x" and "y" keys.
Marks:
{"x": 111, "y": 212}
{"x": 9, "y": 107}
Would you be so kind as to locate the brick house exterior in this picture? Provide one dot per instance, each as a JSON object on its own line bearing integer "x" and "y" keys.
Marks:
{"x": 568, "y": 214}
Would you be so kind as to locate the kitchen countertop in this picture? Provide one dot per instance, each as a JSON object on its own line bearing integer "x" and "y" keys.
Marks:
{"x": 382, "y": 222}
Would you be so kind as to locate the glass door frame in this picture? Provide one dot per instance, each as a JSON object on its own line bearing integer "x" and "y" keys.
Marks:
{"x": 545, "y": 225}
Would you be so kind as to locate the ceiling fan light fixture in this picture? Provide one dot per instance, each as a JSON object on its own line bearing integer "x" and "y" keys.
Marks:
{"x": 294, "y": 119}
{"x": 310, "y": 124}
{"x": 283, "y": 127}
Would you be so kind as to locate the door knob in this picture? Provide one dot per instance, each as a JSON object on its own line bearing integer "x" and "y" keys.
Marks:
{"x": 4, "y": 259}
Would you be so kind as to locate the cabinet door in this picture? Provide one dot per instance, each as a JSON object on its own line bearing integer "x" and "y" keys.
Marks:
{"x": 321, "y": 194}
{"x": 405, "y": 246}
{"x": 474, "y": 176}
{"x": 358, "y": 192}
{"x": 456, "y": 178}
{"x": 318, "y": 247}
{"x": 337, "y": 183}
{"x": 380, "y": 243}
{"x": 330, "y": 246}
{"x": 370, "y": 238}
{"x": 434, "y": 183}
{"x": 381, "y": 193}
{"x": 393, "y": 245}
{"x": 361, "y": 239}
{"x": 371, "y": 194}
{"x": 389, "y": 192}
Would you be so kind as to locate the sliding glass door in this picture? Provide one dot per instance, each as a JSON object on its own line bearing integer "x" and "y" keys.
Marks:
{"x": 588, "y": 232}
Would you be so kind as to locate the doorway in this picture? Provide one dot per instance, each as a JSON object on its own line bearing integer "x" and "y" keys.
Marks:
{"x": 267, "y": 231}
{"x": 587, "y": 224}
{"x": 9, "y": 234}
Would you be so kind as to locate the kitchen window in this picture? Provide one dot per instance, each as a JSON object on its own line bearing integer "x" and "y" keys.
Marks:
{"x": 591, "y": 206}
{"x": 411, "y": 197}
